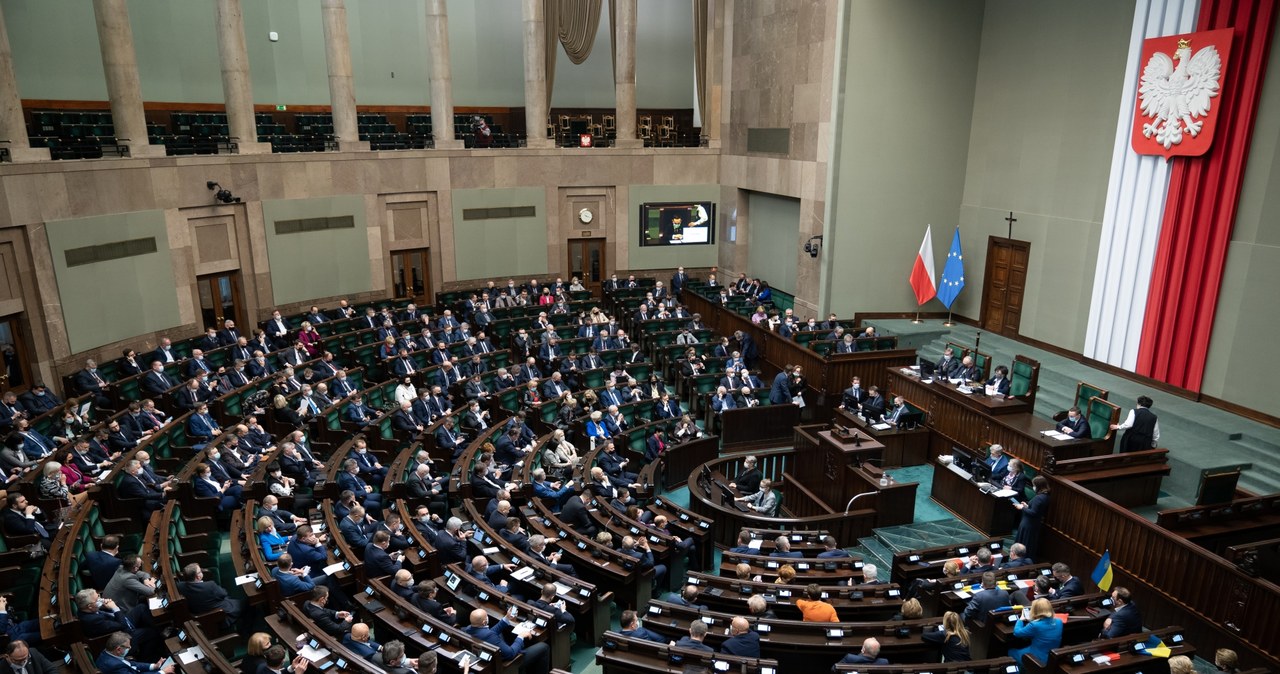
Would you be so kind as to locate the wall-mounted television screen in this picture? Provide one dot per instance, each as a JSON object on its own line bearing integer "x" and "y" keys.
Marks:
{"x": 677, "y": 223}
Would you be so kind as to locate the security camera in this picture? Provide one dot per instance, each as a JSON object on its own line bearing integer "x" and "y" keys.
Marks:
{"x": 813, "y": 246}
{"x": 221, "y": 195}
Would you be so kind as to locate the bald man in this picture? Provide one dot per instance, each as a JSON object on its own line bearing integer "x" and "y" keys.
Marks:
{"x": 742, "y": 640}
{"x": 361, "y": 642}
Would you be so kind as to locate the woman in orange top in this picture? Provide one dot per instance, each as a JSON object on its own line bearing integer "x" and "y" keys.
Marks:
{"x": 814, "y": 609}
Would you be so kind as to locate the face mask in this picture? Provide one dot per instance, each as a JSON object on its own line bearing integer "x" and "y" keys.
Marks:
{"x": 215, "y": 457}
{"x": 270, "y": 509}
{"x": 125, "y": 653}
{"x": 362, "y": 450}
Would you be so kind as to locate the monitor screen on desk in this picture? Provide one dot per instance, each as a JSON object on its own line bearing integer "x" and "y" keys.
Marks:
{"x": 927, "y": 368}
{"x": 961, "y": 458}
{"x": 981, "y": 471}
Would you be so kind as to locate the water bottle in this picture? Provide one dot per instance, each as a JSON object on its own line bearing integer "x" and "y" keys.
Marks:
{"x": 884, "y": 479}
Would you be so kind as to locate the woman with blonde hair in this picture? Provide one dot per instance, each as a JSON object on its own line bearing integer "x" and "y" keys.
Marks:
{"x": 310, "y": 339}
{"x": 559, "y": 457}
{"x": 53, "y": 485}
{"x": 254, "y": 652}
{"x": 786, "y": 574}
{"x": 1181, "y": 664}
{"x": 953, "y": 638}
{"x": 1043, "y": 630}
{"x": 911, "y": 610}
{"x": 273, "y": 544}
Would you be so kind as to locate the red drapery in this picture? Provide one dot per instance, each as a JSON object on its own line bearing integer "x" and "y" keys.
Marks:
{"x": 1201, "y": 208}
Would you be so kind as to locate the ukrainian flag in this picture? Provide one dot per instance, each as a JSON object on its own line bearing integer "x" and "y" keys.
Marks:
{"x": 1102, "y": 572}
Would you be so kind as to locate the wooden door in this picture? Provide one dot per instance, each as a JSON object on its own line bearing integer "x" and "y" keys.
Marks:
{"x": 1004, "y": 284}
{"x": 587, "y": 262}
{"x": 411, "y": 275}
{"x": 16, "y": 375}
{"x": 220, "y": 300}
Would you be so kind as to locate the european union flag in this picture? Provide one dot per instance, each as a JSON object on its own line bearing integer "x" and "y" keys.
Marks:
{"x": 953, "y": 274}
{"x": 1102, "y": 572}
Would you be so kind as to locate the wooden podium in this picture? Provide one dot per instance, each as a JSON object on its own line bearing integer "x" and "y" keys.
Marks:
{"x": 840, "y": 469}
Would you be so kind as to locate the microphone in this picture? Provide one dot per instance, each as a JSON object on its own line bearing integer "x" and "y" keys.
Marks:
{"x": 855, "y": 498}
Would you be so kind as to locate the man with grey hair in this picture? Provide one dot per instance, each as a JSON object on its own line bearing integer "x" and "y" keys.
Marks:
{"x": 99, "y": 616}
{"x": 452, "y": 542}
{"x": 538, "y": 549}
{"x": 871, "y": 575}
{"x": 869, "y": 655}
{"x": 1017, "y": 557}
{"x": 112, "y": 658}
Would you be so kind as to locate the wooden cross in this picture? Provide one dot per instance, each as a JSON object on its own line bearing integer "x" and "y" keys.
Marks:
{"x": 1011, "y": 220}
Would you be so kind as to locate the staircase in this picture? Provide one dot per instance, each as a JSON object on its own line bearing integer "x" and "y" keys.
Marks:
{"x": 880, "y": 547}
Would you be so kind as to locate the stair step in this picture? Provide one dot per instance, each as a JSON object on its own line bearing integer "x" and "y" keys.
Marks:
{"x": 876, "y": 552}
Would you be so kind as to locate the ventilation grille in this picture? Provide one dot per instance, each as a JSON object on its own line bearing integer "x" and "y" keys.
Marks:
{"x": 77, "y": 257}
{"x": 771, "y": 141}
{"x": 315, "y": 224}
{"x": 499, "y": 213}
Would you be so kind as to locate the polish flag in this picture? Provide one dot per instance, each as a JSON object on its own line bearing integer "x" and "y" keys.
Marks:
{"x": 922, "y": 280}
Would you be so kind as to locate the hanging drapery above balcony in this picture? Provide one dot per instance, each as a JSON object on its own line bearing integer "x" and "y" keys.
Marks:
{"x": 572, "y": 24}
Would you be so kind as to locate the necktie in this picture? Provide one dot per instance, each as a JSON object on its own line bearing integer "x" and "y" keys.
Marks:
{"x": 44, "y": 533}
{"x": 312, "y": 405}
{"x": 164, "y": 381}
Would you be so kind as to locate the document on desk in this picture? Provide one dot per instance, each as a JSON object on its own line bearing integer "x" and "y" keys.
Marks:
{"x": 562, "y": 589}
{"x": 1004, "y": 493}
{"x": 246, "y": 579}
{"x": 756, "y": 543}
{"x": 522, "y": 573}
{"x": 882, "y": 427}
{"x": 1055, "y": 435}
{"x": 157, "y": 603}
{"x": 190, "y": 655}
{"x": 313, "y": 654}
{"x": 333, "y": 568}
{"x": 963, "y": 594}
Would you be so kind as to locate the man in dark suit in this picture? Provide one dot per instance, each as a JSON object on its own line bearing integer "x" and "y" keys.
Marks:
{"x": 103, "y": 562}
{"x": 356, "y": 528}
{"x": 331, "y": 622}
{"x": 873, "y": 406}
{"x": 1125, "y": 620}
{"x": 1141, "y": 428}
{"x": 697, "y": 632}
{"x": 1068, "y": 585}
{"x": 574, "y": 514}
{"x": 1017, "y": 557}
{"x": 966, "y": 371}
{"x": 998, "y": 385}
{"x": 998, "y": 463}
{"x": 742, "y": 639}
{"x": 39, "y": 400}
{"x": 204, "y": 596}
{"x": 89, "y": 380}
{"x": 630, "y": 627}
{"x": 989, "y": 598}
{"x": 360, "y": 642}
{"x": 24, "y": 519}
{"x": 377, "y": 561}
{"x": 947, "y": 364}
{"x": 22, "y": 659}
{"x": 853, "y": 396}
{"x": 1074, "y": 425}
{"x": 869, "y": 655}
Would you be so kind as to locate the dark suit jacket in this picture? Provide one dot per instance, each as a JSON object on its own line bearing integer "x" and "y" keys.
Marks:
{"x": 688, "y": 642}
{"x": 205, "y": 596}
{"x": 574, "y": 513}
{"x": 326, "y": 619}
{"x": 746, "y": 644}
{"x": 378, "y": 563}
{"x": 984, "y": 601}
{"x": 1072, "y": 588}
{"x": 101, "y": 566}
{"x": 1126, "y": 620}
{"x": 1077, "y": 429}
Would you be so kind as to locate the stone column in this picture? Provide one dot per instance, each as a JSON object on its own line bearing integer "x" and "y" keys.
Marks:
{"x": 535, "y": 75}
{"x": 342, "y": 92}
{"x": 624, "y": 78}
{"x": 120, "y": 65}
{"x": 715, "y": 72}
{"x": 441, "y": 77}
{"x": 12, "y": 126}
{"x": 237, "y": 87}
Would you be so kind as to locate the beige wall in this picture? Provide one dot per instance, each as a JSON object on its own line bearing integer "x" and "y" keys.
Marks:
{"x": 901, "y": 150}
{"x": 401, "y": 200}
{"x": 500, "y": 246}
{"x": 780, "y": 61}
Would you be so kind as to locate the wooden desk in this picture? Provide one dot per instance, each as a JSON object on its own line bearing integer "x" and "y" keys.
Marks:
{"x": 746, "y": 429}
{"x": 973, "y": 423}
{"x": 1129, "y": 479}
{"x": 988, "y": 514}
{"x": 901, "y": 447}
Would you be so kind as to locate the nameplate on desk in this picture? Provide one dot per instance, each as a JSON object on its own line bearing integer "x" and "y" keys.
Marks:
{"x": 490, "y": 551}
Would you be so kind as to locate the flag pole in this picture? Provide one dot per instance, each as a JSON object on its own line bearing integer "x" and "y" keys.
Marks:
{"x": 948, "y": 322}
{"x": 917, "y": 321}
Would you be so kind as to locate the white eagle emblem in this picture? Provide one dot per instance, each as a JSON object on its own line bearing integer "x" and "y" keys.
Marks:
{"x": 1174, "y": 97}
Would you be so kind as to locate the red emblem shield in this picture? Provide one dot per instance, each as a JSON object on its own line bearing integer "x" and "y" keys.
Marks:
{"x": 1180, "y": 93}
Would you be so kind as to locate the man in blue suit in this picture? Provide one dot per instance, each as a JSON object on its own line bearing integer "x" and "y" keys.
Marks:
{"x": 630, "y": 625}
{"x": 780, "y": 392}
{"x": 103, "y": 562}
{"x": 782, "y": 546}
{"x": 356, "y": 528}
{"x": 112, "y": 659}
{"x": 350, "y": 479}
{"x": 307, "y": 550}
{"x": 830, "y": 550}
{"x": 367, "y": 464}
{"x": 537, "y": 657}
{"x": 1125, "y": 620}
{"x": 1068, "y": 585}
{"x": 869, "y": 655}
{"x": 292, "y": 581}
